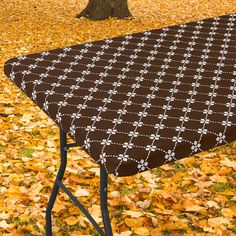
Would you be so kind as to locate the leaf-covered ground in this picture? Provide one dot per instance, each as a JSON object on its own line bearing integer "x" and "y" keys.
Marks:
{"x": 194, "y": 196}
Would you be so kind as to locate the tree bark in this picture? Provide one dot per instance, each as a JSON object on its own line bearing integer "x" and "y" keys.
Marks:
{"x": 103, "y": 9}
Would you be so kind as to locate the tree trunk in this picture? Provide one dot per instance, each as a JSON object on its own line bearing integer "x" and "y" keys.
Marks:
{"x": 103, "y": 9}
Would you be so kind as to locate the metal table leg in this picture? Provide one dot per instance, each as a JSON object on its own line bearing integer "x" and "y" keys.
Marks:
{"x": 103, "y": 201}
{"x": 58, "y": 184}
{"x": 63, "y": 152}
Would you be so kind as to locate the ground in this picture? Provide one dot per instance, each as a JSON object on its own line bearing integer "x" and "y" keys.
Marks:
{"x": 194, "y": 196}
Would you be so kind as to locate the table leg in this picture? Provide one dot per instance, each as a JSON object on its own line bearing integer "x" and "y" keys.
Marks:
{"x": 103, "y": 201}
{"x": 59, "y": 177}
{"x": 58, "y": 184}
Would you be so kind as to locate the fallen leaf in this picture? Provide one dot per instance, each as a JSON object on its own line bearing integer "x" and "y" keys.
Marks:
{"x": 212, "y": 204}
{"x": 26, "y": 118}
{"x": 81, "y": 192}
{"x": 134, "y": 222}
{"x": 166, "y": 167}
{"x": 227, "y": 212}
{"x": 141, "y": 231}
{"x": 163, "y": 211}
{"x": 208, "y": 229}
{"x": 95, "y": 211}
{"x": 5, "y": 225}
{"x": 228, "y": 163}
{"x": 115, "y": 194}
{"x": 71, "y": 220}
{"x": 23, "y": 125}
{"x": 195, "y": 208}
{"x": 167, "y": 195}
{"x": 4, "y": 216}
{"x": 58, "y": 206}
{"x": 218, "y": 178}
{"x": 216, "y": 221}
{"x": 134, "y": 214}
{"x": 228, "y": 193}
{"x": 144, "y": 204}
{"x": 125, "y": 233}
{"x": 95, "y": 170}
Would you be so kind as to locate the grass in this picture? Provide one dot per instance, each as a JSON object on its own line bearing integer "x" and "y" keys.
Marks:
{"x": 126, "y": 190}
{"x": 27, "y": 152}
{"x": 220, "y": 187}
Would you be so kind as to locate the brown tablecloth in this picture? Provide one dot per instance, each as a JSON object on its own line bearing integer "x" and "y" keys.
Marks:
{"x": 141, "y": 100}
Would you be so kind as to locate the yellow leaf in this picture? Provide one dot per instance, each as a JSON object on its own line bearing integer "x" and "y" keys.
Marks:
{"x": 24, "y": 217}
{"x": 134, "y": 214}
{"x": 212, "y": 204}
{"x": 203, "y": 184}
{"x": 163, "y": 211}
{"x": 82, "y": 222}
{"x": 220, "y": 198}
{"x": 160, "y": 206}
{"x": 190, "y": 161}
{"x": 58, "y": 206}
{"x": 28, "y": 227}
{"x": 155, "y": 221}
{"x": 81, "y": 192}
{"x": 227, "y": 212}
{"x": 228, "y": 192}
{"x": 126, "y": 233}
{"x": 167, "y": 195}
{"x": 51, "y": 143}
{"x": 195, "y": 208}
{"x": 141, "y": 231}
{"x": 134, "y": 223}
{"x": 115, "y": 194}
{"x": 177, "y": 176}
{"x": 71, "y": 220}
{"x": 201, "y": 224}
{"x": 41, "y": 227}
{"x": 228, "y": 163}
{"x": 233, "y": 198}
{"x": 95, "y": 170}
{"x": 218, "y": 221}
{"x": 26, "y": 118}
{"x": 218, "y": 178}
{"x": 208, "y": 229}
{"x": 36, "y": 188}
{"x": 166, "y": 167}
{"x": 149, "y": 177}
{"x": 156, "y": 232}
{"x": 126, "y": 199}
{"x": 95, "y": 211}
{"x": 4, "y": 215}
{"x": 144, "y": 204}
{"x": 5, "y": 225}
{"x": 170, "y": 225}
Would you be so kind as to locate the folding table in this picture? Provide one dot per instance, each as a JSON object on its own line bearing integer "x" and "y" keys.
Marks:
{"x": 137, "y": 101}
